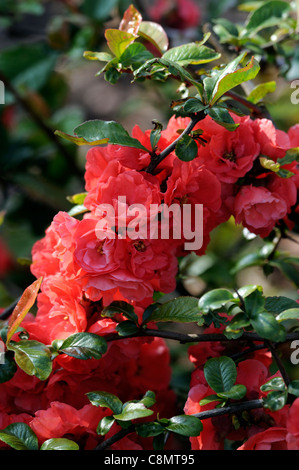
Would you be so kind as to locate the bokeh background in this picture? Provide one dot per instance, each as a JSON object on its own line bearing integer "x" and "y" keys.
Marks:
{"x": 49, "y": 86}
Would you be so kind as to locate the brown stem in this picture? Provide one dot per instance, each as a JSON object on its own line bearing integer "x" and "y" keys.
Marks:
{"x": 278, "y": 361}
{"x": 193, "y": 338}
{"x": 157, "y": 159}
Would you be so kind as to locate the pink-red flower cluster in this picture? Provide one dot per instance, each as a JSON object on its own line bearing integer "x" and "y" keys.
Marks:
{"x": 88, "y": 262}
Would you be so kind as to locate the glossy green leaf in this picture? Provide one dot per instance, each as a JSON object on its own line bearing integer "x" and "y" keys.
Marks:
{"x": 277, "y": 383}
{"x": 185, "y": 425}
{"x": 291, "y": 156}
{"x": 279, "y": 304}
{"x": 293, "y": 388}
{"x": 59, "y": 444}
{"x": 84, "y": 346}
{"x": 222, "y": 117}
{"x": 186, "y": 149}
{"x": 149, "y": 399}
{"x": 106, "y": 400}
{"x": 254, "y": 303}
{"x": 133, "y": 411}
{"x": 105, "y": 425}
{"x": 32, "y": 357}
{"x": 290, "y": 314}
{"x": 230, "y": 79}
{"x": 127, "y": 328}
{"x": 220, "y": 373}
{"x": 237, "y": 392}
{"x": 268, "y": 14}
{"x": 215, "y": 299}
{"x": 149, "y": 429}
{"x": 120, "y": 307}
{"x": 106, "y": 131}
{"x": 268, "y": 327}
{"x": 191, "y": 53}
{"x": 275, "y": 400}
{"x": 180, "y": 310}
{"x": 8, "y": 367}
{"x": 19, "y": 436}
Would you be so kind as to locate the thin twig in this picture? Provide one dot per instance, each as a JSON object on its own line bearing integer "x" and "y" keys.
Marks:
{"x": 279, "y": 363}
{"x": 157, "y": 159}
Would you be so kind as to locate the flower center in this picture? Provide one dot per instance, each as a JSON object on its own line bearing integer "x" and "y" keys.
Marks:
{"x": 231, "y": 156}
{"x": 140, "y": 246}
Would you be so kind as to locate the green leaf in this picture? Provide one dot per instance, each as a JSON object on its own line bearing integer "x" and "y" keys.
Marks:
{"x": 32, "y": 357}
{"x": 293, "y": 388}
{"x": 149, "y": 429}
{"x": 127, "y": 328}
{"x": 268, "y": 327}
{"x": 155, "y": 34}
{"x": 193, "y": 105}
{"x": 78, "y": 198}
{"x": 186, "y": 149}
{"x": 80, "y": 140}
{"x": 239, "y": 321}
{"x": 254, "y": 303}
{"x": 222, "y": 117}
{"x": 84, "y": 346}
{"x": 287, "y": 269}
{"x": 77, "y": 210}
{"x": 134, "y": 56}
{"x": 99, "y": 56}
{"x": 185, "y": 425}
{"x": 8, "y": 368}
{"x": 180, "y": 310}
{"x": 291, "y": 156}
{"x": 19, "y": 436}
{"x": 275, "y": 400}
{"x": 290, "y": 314}
{"x": 220, "y": 373}
{"x": 277, "y": 383}
{"x": 149, "y": 399}
{"x": 192, "y": 53}
{"x": 59, "y": 444}
{"x": 106, "y": 131}
{"x": 118, "y": 40}
{"x": 120, "y": 307}
{"x": 133, "y": 411}
{"x": 155, "y": 134}
{"x": 105, "y": 425}
{"x": 279, "y": 304}
{"x": 215, "y": 299}
{"x": 209, "y": 399}
{"x": 237, "y": 392}
{"x": 229, "y": 77}
{"x": 260, "y": 91}
{"x": 106, "y": 400}
{"x": 269, "y": 14}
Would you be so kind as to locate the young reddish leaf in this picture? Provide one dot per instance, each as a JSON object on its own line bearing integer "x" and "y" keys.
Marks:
{"x": 25, "y": 303}
{"x": 155, "y": 34}
{"x": 118, "y": 41}
{"x": 131, "y": 21}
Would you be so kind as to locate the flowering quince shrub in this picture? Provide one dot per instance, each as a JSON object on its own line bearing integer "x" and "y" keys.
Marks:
{"x": 92, "y": 370}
